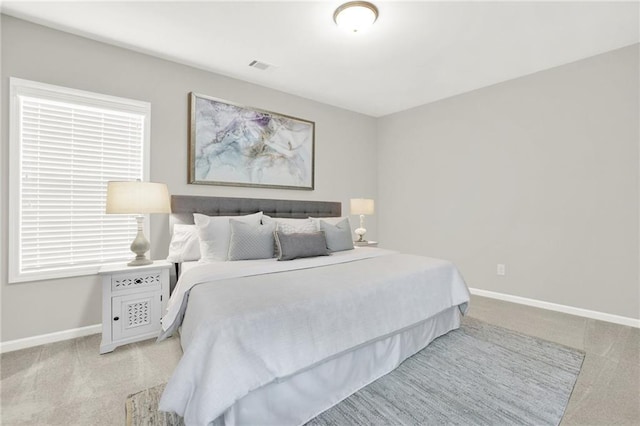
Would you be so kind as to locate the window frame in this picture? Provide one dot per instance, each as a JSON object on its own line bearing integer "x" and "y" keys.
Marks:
{"x": 20, "y": 87}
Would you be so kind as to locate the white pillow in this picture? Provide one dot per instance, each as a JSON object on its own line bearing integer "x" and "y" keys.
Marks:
{"x": 185, "y": 244}
{"x": 249, "y": 242}
{"x": 214, "y": 233}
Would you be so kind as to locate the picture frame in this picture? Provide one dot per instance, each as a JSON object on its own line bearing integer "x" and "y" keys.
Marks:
{"x": 235, "y": 145}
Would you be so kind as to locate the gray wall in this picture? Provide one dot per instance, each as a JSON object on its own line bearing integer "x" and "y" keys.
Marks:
{"x": 539, "y": 173}
{"x": 346, "y": 157}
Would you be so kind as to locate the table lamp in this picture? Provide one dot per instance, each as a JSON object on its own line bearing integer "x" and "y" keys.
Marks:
{"x": 138, "y": 198}
{"x": 361, "y": 206}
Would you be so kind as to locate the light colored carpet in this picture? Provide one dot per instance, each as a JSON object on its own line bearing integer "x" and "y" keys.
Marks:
{"x": 480, "y": 374}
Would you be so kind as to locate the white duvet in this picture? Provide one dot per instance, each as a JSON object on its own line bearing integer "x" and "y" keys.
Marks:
{"x": 250, "y": 323}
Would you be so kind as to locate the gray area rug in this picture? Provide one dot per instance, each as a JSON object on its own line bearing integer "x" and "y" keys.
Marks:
{"x": 479, "y": 374}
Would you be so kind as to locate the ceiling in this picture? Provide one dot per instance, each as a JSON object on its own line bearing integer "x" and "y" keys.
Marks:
{"x": 416, "y": 53}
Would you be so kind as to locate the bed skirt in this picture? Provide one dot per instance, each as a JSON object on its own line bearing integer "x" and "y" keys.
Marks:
{"x": 299, "y": 398}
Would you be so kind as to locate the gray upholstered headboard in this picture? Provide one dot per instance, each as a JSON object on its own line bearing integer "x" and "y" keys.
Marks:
{"x": 183, "y": 207}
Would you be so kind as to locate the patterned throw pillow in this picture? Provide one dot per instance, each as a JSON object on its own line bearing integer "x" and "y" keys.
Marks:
{"x": 214, "y": 233}
{"x": 250, "y": 241}
{"x": 331, "y": 220}
{"x": 290, "y": 226}
{"x": 302, "y": 228}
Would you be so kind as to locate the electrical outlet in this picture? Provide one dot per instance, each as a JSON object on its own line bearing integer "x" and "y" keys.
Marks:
{"x": 501, "y": 270}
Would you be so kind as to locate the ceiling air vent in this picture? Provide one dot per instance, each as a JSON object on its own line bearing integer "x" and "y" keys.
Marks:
{"x": 260, "y": 65}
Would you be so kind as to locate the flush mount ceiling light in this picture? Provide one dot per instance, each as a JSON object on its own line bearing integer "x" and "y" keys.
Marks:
{"x": 355, "y": 16}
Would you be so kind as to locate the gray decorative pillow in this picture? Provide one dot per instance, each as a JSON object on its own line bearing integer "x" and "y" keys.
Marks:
{"x": 338, "y": 236}
{"x": 250, "y": 241}
{"x": 294, "y": 246}
{"x": 289, "y": 226}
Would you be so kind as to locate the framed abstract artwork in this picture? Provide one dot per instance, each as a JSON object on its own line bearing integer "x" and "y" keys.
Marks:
{"x": 230, "y": 144}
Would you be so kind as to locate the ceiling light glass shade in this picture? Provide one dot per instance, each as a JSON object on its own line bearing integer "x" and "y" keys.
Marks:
{"x": 355, "y": 16}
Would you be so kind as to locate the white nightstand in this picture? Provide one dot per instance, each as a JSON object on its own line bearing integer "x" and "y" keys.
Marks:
{"x": 133, "y": 301}
{"x": 365, "y": 244}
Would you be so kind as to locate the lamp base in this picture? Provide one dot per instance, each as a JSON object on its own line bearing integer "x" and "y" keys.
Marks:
{"x": 140, "y": 262}
{"x": 360, "y": 233}
{"x": 140, "y": 246}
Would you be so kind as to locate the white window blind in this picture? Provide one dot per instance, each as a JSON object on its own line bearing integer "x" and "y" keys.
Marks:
{"x": 70, "y": 144}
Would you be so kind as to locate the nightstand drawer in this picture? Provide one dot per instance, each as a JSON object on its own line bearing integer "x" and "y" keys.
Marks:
{"x": 147, "y": 280}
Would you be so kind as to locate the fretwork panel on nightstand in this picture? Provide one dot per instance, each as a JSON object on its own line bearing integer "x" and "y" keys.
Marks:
{"x": 136, "y": 314}
{"x": 119, "y": 282}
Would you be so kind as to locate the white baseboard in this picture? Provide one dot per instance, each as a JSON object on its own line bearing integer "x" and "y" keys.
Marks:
{"x": 29, "y": 342}
{"x": 602, "y": 316}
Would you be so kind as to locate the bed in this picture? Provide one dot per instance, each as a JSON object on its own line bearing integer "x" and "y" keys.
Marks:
{"x": 277, "y": 343}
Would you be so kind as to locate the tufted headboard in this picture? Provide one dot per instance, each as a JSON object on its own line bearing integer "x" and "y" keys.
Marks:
{"x": 183, "y": 207}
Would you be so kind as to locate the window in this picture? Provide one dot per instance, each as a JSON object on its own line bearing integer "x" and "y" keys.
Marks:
{"x": 65, "y": 145}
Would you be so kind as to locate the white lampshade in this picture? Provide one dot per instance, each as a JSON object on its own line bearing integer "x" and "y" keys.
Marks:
{"x": 138, "y": 198}
{"x": 135, "y": 197}
{"x": 362, "y": 206}
{"x": 355, "y": 16}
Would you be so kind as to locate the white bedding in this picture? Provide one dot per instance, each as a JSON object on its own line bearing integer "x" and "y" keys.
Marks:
{"x": 301, "y": 397}
{"x": 214, "y": 271}
{"x": 185, "y": 266}
{"x": 248, "y": 330}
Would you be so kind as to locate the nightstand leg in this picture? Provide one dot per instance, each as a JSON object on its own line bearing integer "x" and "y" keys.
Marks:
{"x": 105, "y": 349}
